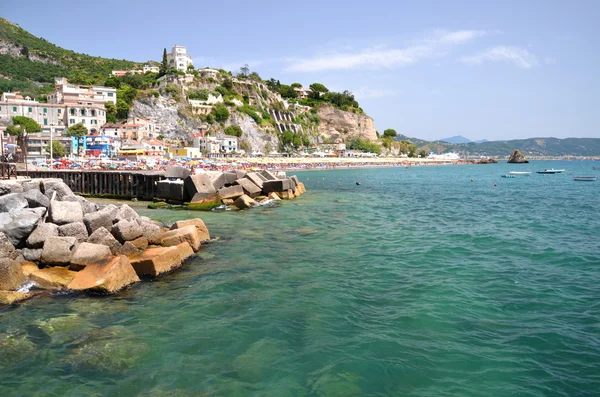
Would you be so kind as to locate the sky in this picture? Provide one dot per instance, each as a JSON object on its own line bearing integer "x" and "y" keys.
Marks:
{"x": 493, "y": 70}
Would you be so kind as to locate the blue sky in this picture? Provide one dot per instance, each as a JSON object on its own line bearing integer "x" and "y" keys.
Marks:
{"x": 429, "y": 69}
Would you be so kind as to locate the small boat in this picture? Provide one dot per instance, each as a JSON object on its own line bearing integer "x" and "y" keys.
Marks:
{"x": 556, "y": 171}
{"x": 545, "y": 172}
{"x": 585, "y": 178}
{"x": 508, "y": 176}
{"x": 519, "y": 173}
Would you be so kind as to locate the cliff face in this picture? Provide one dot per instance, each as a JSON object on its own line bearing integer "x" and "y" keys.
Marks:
{"x": 337, "y": 124}
{"x": 167, "y": 115}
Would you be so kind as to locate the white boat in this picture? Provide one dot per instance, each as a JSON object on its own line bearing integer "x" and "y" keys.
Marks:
{"x": 555, "y": 171}
{"x": 519, "y": 173}
{"x": 585, "y": 178}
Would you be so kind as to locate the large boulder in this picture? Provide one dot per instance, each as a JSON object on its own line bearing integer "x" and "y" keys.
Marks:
{"x": 203, "y": 198}
{"x": 105, "y": 276}
{"x": 63, "y": 212}
{"x": 10, "y": 297}
{"x": 11, "y": 274}
{"x": 57, "y": 251}
{"x": 178, "y": 236}
{"x": 104, "y": 237}
{"x": 126, "y": 230}
{"x": 7, "y": 250}
{"x": 203, "y": 233}
{"x": 34, "y": 184}
{"x": 255, "y": 178}
{"x": 21, "y": 224}
{"x": 12, "y": 201}
{"x": 32, "y": 254}
{"x": 8, "y": 187}
{"x": 159, "y": 260}
{"x": 517, "y": 158}
{"x": 87, "y": 253}
{"x": 250, "y": 188}
{"x": 86, "y": 206}
{"x": 96, "y": 220}
{"x": 53, "y": 277}
{"x": 41, "y": 233}
{"x": 141, "y": 243}
{"x": 217, "y": 178}
{"x": 151, "y": 231}
{"x": 75, "y": 229}
{"x": 231, "y": 192}
{"x": 129, "y": 250}
{"x": 231, "y": 177}
{"x": 244, "y": 202}
{"x": 177, "y": 172}
{"x": 198, "y": 186}
{"x": 126, "y": 212}
{"x": 35, "y": 198}
{"x": 50, "y": 186}
{"x": 279, "y": 185}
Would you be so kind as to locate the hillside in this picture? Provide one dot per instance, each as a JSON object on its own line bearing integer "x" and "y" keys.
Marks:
{"x": 529, "y": 147}
{"x": 456, "y": 139}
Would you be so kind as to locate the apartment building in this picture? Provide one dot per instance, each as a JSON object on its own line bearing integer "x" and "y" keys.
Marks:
{"x": 179, "y": 59}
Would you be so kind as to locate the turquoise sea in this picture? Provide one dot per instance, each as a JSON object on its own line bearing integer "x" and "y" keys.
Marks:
{"x": 417, "y": 282}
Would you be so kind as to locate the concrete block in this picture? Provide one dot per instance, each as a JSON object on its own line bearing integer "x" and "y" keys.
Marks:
{"x": 269, "y": 176}
{"x": 255, "y": 178}
{"x": 231, "y": 192}
{"x": 177, "y": 172}
{"x": 278, "y": 185}
{"x": 249, "y": 187}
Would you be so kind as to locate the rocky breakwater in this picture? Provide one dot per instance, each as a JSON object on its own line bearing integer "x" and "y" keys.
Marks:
{"x": 233, "y": 189}
{"x": 53, "y": 240}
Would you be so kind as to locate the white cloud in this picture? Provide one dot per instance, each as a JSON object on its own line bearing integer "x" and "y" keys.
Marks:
{"x": 383, "y": 57}
{"x": 367, "y": 93}
{"x": 516, "y": 55}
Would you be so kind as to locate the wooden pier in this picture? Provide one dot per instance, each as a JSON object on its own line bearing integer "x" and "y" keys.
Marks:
{"x": 116, "y": 184}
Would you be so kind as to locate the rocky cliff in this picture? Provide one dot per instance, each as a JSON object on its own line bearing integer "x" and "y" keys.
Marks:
{"x": 336, "y": 124}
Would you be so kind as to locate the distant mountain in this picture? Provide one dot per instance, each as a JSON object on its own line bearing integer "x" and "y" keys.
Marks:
{"x": 481, "y": 141}
{"x": 529, "y": 147}
{"x": 456, "y": 139}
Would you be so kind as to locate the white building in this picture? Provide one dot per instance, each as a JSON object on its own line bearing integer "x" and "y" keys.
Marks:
{"x": 179, "y": 59}
{"x": 64, "y": 92}
{"x": 207, "y": 72}
{"x": 217, "y": 144}
{"x": 150, "y": 68}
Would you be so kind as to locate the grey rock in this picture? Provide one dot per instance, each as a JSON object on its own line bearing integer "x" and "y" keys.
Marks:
{"x": 95, "y": 220}
{"x": 86, "y": 206}
{"x": 279, "y": 185}
{"x": 23, "y": 222}
{"x": 31, "y": 185}
{"x": 42, "y": 232}
{"x": 57, "y": 251}
{"x": 12, "y": 201}
{"x": 217, "y": 178}
{"x": 200, "y": 183}
{"x": 10, "y": 187}
{"x": 230, "y": 178}
{"x": 129, "y": 250}
{"x": 52, "y": 185}
{"x": 249, "y": 187}
{"x": 75, "y": 229}
{"x": 231, "y": 192}
{"x": 255, "y": 178}
{"x": 11, "y": 274}
{"x": 126, "y": 212}
{"x": 177, "y": 172}
{"x": 87, "y": 253}
{"x": 104, "y": 237}
{"x": 35, "y": 198}
{"x": 151, "y": 231}
{"x": 32, "y": 254}
{"x": 7, "y": 250}
{"x": 63, "y": 212}
{"x": 126, "y": 230}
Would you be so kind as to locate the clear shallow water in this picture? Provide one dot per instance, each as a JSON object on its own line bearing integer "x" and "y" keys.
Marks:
{"x": 418, "y": 282}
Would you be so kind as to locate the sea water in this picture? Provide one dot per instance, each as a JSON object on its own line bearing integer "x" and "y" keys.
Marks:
{"x": 421, "y": 281}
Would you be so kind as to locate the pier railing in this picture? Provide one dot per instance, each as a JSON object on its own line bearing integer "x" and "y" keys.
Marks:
{"x": 117, "y": 184}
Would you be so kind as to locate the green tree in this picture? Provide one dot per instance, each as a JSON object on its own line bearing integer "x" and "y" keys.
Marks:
{"x": 58, "y": 149}
{"x": 122, "y": 109}
{"x": 25, "y": 52}
{"x": 220, "y": 113}
{"x": 234, "y": 130}
{"x": 20, "y": 127}
{"x": 77, "y": 130}
{"x": 390, "y": 133}
{"x": 316, "y": 89}
{"x": 287, "y": 91}
{"x": 296, "y": 85}
{"x": 227, "y": 83}
{"x": 244, "y": 71}
{"x": 111, "y": 112}
{"x": 164, "y": 66}
{"x": 422, "y": 154}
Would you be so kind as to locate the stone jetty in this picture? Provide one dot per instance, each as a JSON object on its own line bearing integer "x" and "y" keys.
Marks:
{"x": 235, "y": 189}
{"x": 53, "y": 240}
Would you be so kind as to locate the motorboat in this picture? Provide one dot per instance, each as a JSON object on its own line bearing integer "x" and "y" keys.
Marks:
{"x": 508, "y": 176}
{"x": 584, "y": 178}
{"x": 519, "y": 173}
{"x": 556, "y": 171}
{"x": 546, "y": 172}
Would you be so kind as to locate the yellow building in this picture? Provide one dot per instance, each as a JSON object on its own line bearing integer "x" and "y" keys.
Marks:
{"x": 188, "y": 152}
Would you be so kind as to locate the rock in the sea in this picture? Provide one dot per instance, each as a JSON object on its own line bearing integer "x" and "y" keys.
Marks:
{"x": 63, "y": 212}
{"x": 21, "y": 224}
{"x": 255, "y": 178}
{"x": 35, "y": 198}
{"x": 87, "y": 253}
{"x": 140, "y": 243}
{"x": 129, "y": 250}
{"x": 105, "y": 276}
{"x": 177, "y": 172}
{"x": 11, "y": 274}
{"x": 42, "y": 232}
{"x": 198, "y": 187}
{"x": 57, "y": 251}
{"x": 244, "y": 202}
{"x": 279, "y": 185}
{"x": 96, "y": 220}
{"x": 517, "y": 158}
{"x": 12, "y": 201}
{"x": 50, "y": 186}
{"x": 203, "y": 233}
{"x": 156, "y": 261}
{"x": 53, "y": 277}
{"x": 250, "y": 188}
{"x": 104, "y": 237}
{"x": 177, "y": 236}
{"x": 125, "y": 212}
{"x": 10, "y": 297}
{"x": 86, "y": 206}
{"x": 7, "y": 250}
{"x": 32, "y": 254}
{"x": 75, "y": 229}
{"x": 273, "y": 196}
{"x": 151, "y": 231}
{"x": 300, "y": 187}
{"x": 231, "y": 192}
{"x": 126, "y": 230}
{"x": 269, "y": 176}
